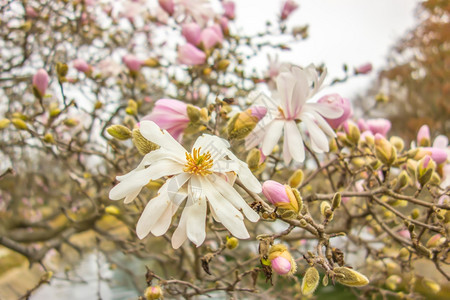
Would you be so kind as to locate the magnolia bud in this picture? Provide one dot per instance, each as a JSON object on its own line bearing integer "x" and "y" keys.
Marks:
{"x": 253, "y": 159}
{"x": 143, "y": 145}
{"x": 393, "y": 281}
{"x": 48, "y": 138}
{"x": 132, "y": 107}
{"x": 310, "y": 281}
{"x": 223, "y": 65}
{"x": 119, "y": 132}
{"x": 423, "y": 136}
{"x": 4, "y": 123}
{"x": 153, "y": 293}
{"x": 112, "y": 210}
{"x": 296, "y": 179}
{"x": 243, "y": 123}
{"x": 397, "y": 142}
{"x": 193, "y": 113}
{"x": 325, "y": 210}
{"x": 431, "y": 285}
{"x": 384, "y": 151}
{"x": 350, "y": 277}
{"x": 61, "y": 69}
{"x": 435, "y": 241}
{"x": 425, "y": 170}
{"x": 353, "y": 133}
{"x": 281, "y": 260}
{"x": 151, "y": 63}
{"x": 403, "y": 181}
{"x": 280, "y": 195}
{"x": 336, "y": 201}
{"x": 71, "y": 122}
{"x": 232, "y": 243}
{"x": 40, "y": 82}
{"x": 19, "y": 123}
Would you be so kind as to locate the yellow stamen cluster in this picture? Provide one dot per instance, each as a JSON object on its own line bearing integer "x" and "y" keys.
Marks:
{"x": 198, "y": 164}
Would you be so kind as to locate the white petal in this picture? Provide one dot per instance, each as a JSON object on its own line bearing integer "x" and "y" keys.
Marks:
{"x": 229, "y": 216}
{"x": 216, "y": 146}
{"x": 229, "y": 193}
{"x": 295, "y": 141}
{"x": 285, "y": 88}
{"x": 180, "y": 236}
{"x": 272, "y": 136}
{"x": 317, "y": 135}
{"x": 129, "y": 186}
{"x": 287, "y": 157}
{"x": 256, "y": 135}
{"x": 323, "y": 124}
{"x": 154, "y": 209}
{"x": 195, "y": 229}
{"x": 246, "y": 176}
{"x": 156, "y": 135}
{"x": 163, "y": 223}
{"x": 131, "y": 196}
{"x": 326, "y": 110}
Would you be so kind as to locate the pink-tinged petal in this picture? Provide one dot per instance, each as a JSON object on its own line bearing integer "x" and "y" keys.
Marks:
{"x": 441, "y": 142}
{"x": 196, "y": 209}
{"x": 423, "y": 136}
{"x": 258, "y": 111}
{"x": 210, "y": 38}
{"x": 81, "y": 65}
{"x": 285, "y": 89}
{"x": 338, "y": 101}
{"x": 288, "y": 8}
{"x": 364, "y": 69}
{"x": 132, "y": 62}
{"x": 229, "y": 9}
{"x": 275, "y": 192}
{"x": 281, "y": 265}
{"x": 381, "y": 126}
{"x": 295, "y": 141}
{"x": 287, "y": 157}
{"x": 168, "y": 6}
{"x": 272, "y": 136}
{"x": 192, "y": 33}
{"x": 362, "y": 125}
{"x": 190, "y": 55}
{"x": 40, "y": 81}
{"x": 326, "y": 110}
{"x": 437, "y": 154}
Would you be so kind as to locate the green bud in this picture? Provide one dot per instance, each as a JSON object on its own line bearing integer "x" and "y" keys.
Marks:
{"x": 431, "y": 285}
{"x": 298, "y": 198}
{"x": 353, "y": 134}
{"x": 193, "y": 113}
{"x": 19, "y": 124}
{"x": 223, "y": 65}
{"x": 48, "y": 138}
{"x": 403, "y": 181}
{"x": 296, "y": 179}
{"x": 143, "y": 145}
{"x": 325, "y": 280}
{"x": 384, "y": 151}
{"x": 232, "y": 243}
{"x": 397, "y": 142}
{"x": 253, "y": 159}
{"x": 71, "y": 122}
{"x": 61, "y": 69}
{"x": 415, "y": 213}
{"x": 153, "y": 293}
{"x": 350, "y": 277}
{"x": 336, "y": 201}
{"x": 310, "y": 281}
{"x": 119, "y": 132}
{"x": 303, "y": 223}
{"x": 4, "y": 123}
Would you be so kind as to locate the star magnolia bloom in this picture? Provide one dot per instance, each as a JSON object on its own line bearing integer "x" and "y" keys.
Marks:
{"x": 170, "y": 114}
{"x": 204, "y": 176}
{"x": 289, "y": 111}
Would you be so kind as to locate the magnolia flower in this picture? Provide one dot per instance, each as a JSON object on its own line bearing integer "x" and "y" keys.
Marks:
{"x": 204, "y": 176}
{"x": 192, "y": 32}
{"x": 364, "y": 69}
{"x": 381, "y": 126}
{"x": 198, "y": 11}
{"x": 211, "y": 36}
{"x": 337, "y": 100}
{"x": 82, "y": 66}
{"x": 40, "y": 81}
{"x": 171, "y": 115}
{"x": 288, "y": 111}
{"x": 229, "y": 9}
{"x": 132, "y": 62}
{"x": 190, "y": 55}
{"x": 288, "y": 8}
{"x": 167, "y": 5}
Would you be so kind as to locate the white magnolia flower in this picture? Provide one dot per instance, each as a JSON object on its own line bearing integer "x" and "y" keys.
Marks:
{"x": 199, "y": 11}
{"x": 203, "y": 176}
{"x": 288, "y": 111}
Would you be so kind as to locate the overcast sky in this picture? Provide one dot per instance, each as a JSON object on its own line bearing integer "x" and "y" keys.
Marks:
{"x": 341, "y": 31}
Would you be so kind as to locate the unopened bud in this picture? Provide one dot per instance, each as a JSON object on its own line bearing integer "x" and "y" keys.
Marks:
{"x": 153, "y": 293}
{"x": 253, "y": 159}
{"x": 151, "y": 62}
{"x": 243, "y": 123}
{"x": 143, "y": 145}
{"x": 298, "y": 198}
{"x": 384, "y": 151}
{"x": 296, "y": 179}
{"x": 281, "y": 260}
{"x": 19, "y": 123}
{"x": 71, "y": 122}
{"x": 193, "y": 113}
{"x": 397, "y": 142}
{"x": 415, "y": 213}
{"x": 280, "y": 195}
{"x": 435, "y": 241}
{"x": 61, "y": 69}
{"x": 232, "y": 243}
{"x": 4, "y": 123}
{"x": 112, "y": 210}
{"x": 425, "y": 169}
{"x": 119, "y": 132}
{"x": 350, "y": 277}
{"x": 403, "y": 181}
{"x": 393, "y": 281}
{"x": 431, "y": 285}
{"x": 325, "y": 210}
{"x": 336, "y": 201}
{"x": 223, "y": 65}
{"x": 310, "y": 281}
{"x": 353, "y": 133}
{"x": 48, "y": 138}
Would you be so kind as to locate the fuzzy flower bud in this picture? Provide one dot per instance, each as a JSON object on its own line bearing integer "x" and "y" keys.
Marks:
{"x": 397, "y": 142}
{"x": 288, "y": 8}
{"x": 425, "y": 169}
{"x": 119, "y": 132}
{"x": 143, "y": 145}
{"x": 40, "y": 82}
{"x": 281, "y": 260}
{"x": 310, "y": 281}
{"x": 168, "y": 6}
{"x": 435, "y": 241}
{"x": 296, "y": 179}
{"x": 353, "y": 133}
{"x": 423, "y": 136}
{"x": 350, "y": 277}
{"x": 280, "y": 195}
{"x": 191, "y": 32}
{"x": 384, "y": 151}
{"x": 153, "y": 293}
{"x": 243, "y": 123}
{"x": 190, "y": 55}
{"x": 337, "y": 101}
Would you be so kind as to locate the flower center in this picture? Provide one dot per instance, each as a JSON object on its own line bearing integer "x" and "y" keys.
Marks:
{"x": 198, "y": 164}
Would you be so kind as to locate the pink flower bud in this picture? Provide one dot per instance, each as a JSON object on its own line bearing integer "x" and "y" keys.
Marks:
{"x": 280, "y": 195}
{"x": 192, "y": 32}
{"x": 190, "y": 55}
{"x": 211, "y": 36}
{"x": 224, "y": 25}
{"x": 30, "y": 12}
{"x": 171, "y": 115}
{"x": 288, "y": 8}
{"x": 281, "y": 265}
{"x": 437, "y": 154}
{"x": 423, "y": 136}
{"x": 168, "y": 6}
{"x": 338, "y": 101}
{"x": 40, "y": 81}
{"x": 362, "y": 125}
{"x": 82, "y": 66}
{"x": 380, "y": 126}
{"x": 364, "y": 69}
{"x": 229, "y": 8}
{"x": 132, "y": 62}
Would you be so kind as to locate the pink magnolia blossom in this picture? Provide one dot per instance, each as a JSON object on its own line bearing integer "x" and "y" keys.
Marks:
{"x": 82, "y": 66}
{"x": 224, "y": 25}
{"x": 40, "y": 81}
{"x": 275, "y": 192}
{"x": 281, "y": 265}
{"x": 190, "y": 55}
{"x": 381, "y": 126}
{"x": 192, "y": 33}
{"x": 288, "y": 8}
{"x": 364, "y": 69}
{"x": 289, "y": 111}
{"x": 211, "y": 36}
{"x": 437, "y": 154}
{"x": 170, "y": 114}
{"x": 168, "y": 6}
{"x": 198, "y": 11}
{"x": 338, "y": 101}
{"x": 423, "y": 136}
{"x": 132, "y": 62}
{"x": 229, "y": 8}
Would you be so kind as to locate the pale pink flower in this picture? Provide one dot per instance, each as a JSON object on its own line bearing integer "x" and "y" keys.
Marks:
{"x": 381, "y": 126}
{"x": 171, "y": 115}
{"x": 132, "y": 62}
{"x": 337, "y": 100}
{"x": 229, "y": 9}
{"x": 192, "y": 33}
{"x": 168, "y": 6}
{"x": 40, "y": 81}
{"x": 288, "y": 8}
{"x": 81, "y": 65}
{"x": 364, "y": 69}
{"x": 190, "y": 55}
{"x": 211, "y": 36}
{"x": 289, "y": 111}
